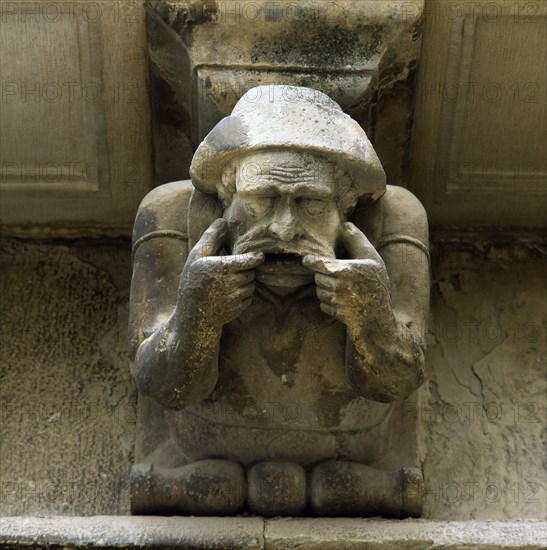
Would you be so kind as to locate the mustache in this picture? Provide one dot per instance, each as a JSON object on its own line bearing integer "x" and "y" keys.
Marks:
{"x": 257, "y": 241}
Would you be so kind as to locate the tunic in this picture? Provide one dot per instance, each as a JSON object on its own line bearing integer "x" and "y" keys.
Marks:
{"x": 282, "y": 391}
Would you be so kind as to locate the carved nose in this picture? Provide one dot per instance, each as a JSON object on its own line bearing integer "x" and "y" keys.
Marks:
{"x": 285, "y": 224}
{"x": 285, "y": 233}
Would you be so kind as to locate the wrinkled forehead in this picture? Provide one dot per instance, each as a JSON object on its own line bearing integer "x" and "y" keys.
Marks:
{"x": 284, "y": 171}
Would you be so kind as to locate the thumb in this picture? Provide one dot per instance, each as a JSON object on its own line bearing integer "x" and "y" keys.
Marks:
{"x": 357, "y": 244}
{"x": 211, "y": 241}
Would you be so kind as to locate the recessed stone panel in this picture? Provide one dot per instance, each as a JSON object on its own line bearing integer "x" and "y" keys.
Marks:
{"x": 75, "y": 138}
{"x": 479, "y": 142}
{"x": 53, "y": 132}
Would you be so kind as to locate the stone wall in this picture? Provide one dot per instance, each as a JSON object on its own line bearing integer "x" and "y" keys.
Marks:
{"x": 483, "y": 422}
{"x": 68, "y": 401}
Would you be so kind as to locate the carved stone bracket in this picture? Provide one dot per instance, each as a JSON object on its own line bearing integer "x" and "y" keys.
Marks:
{"x": 280, "y": 359}
{"x": 205, "y": 54}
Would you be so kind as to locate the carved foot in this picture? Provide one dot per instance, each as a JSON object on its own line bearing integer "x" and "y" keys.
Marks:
{"x": 276, "y": 488}
{"x": 206, "y": 487}
{"x": 351, "y": 489}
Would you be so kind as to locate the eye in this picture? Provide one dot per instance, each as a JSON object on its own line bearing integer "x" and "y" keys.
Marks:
{"x": 258, "y": 206}
{"x": 312, "y": 208}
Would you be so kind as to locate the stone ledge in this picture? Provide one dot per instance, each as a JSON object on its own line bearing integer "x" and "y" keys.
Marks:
{"x": 256, "y": 533}
{"x": 132, "y": 532}
{"x": 378, "y": 534}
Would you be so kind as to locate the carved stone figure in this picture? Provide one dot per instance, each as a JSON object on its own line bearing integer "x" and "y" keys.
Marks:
{"x": 278, "y": 307}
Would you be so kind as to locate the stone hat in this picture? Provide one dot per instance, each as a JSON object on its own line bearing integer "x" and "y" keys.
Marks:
{"x": 289, "y": 117}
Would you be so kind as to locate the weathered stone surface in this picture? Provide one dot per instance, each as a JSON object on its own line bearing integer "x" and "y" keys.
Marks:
{"x": 205, "y": 487}
{"x": 75, "y": 138}
{"x": 467, "y": 169}
{"x": 276, "y": 488}
{"x": 484, "y": 422}
{"x": 346, "y": 489}
{"x": 255, "y": 533}
{"x": 372, "y": 534}
{"x": 133, "y": 532}
{"x": 67, "y": 401}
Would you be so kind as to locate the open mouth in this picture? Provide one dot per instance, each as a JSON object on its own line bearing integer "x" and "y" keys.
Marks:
{"x": 283, "y": 269}
{"x": 283, "y": 258}
{"x": 283, "y": 264}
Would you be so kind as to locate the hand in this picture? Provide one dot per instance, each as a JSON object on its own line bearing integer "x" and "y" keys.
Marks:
{"x": 352, "y": 291}
{"x": 217, "y": 287}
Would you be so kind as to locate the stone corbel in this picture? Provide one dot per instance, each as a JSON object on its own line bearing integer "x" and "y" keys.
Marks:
{"x": 205, "y": 54}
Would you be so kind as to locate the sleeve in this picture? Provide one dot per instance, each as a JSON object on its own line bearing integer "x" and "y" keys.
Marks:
{"x": 160, "y": 249}
{"x": 404, "y": 221}
{"x": 404, "y": 246}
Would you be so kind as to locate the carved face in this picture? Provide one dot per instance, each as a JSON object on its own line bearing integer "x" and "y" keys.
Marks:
{"x": 284, "y": 205}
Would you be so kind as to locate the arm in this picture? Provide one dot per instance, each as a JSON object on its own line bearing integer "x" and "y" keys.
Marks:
{"x": 385, "y": 356}
{"x": 175, "y": 319}
{"x": 382, "y": 300}
{"x": 178, "y": 364}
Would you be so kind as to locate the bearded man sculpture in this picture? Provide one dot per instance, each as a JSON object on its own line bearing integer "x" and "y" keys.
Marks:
{"x": 277, "y": 311}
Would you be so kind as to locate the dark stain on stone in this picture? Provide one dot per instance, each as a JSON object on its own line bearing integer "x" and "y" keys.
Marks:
{"x": 396, "y": 106}
{"x": 436, "y": 293}
{"x": 282, "y": 351}
{"x": 390, "y": 74}
{"x": 329, "y": 406}
{"x": 362, "y": 111}
{"x": 183, "y": 18}
{"x": 417, "y": 28}
{"x": 318, "y": 46}
{"x": 455, "y": 282}
{"x": 232, "y": 391}
{"x": 165, "y": 107}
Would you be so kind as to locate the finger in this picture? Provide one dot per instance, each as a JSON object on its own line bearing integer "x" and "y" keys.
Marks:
{"x": 319, "y": 264}
{"x": 327, "y": 282}
{"x": 328, "y": 309}
{"x": 246, "y": 291}
{"x": 239, "y": 279}
{"x": 326, "y": 297}
{"x": 233, "y": 299}
{"x": 243, "y": 277}
{"x": 246, "y": 303}
{"x": 211, "y": 241}
{"x": 357, "y": 244}
{"x": 236, "y": 299}
{"x": 242, "y": 262}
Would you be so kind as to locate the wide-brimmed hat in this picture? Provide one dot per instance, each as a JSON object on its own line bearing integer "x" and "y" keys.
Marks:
{"x": 294, "y": 118}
